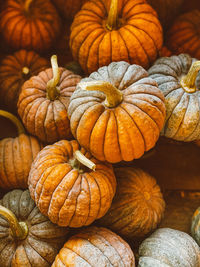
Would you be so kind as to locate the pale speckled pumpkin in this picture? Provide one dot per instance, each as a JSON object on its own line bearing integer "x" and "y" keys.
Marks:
{"x": 30, "y": 240}
{"x": 195, "y": 226}
{"x": 95, "y": 247}
{"x": 177, "y": 79}
{"x": 169, "y": 248}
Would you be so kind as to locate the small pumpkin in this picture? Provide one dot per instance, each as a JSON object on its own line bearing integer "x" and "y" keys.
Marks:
{"x": 184, "y": 36}
{"x": 138, "y": 205}
{"x": 195, "y": 229}
{"x": 117, "y": 113}
{"x": 177, "y": 78}
{"x": 15, "y": 69}
{"x": 95, "y": 246}
{"x": 16, "y": 156}
{"x": 124, "y": 30}
{"x": 27, "y": 237}
{"x": 30, "y": 24}
{"x": 70, "y": 186}
{"x": 43, "y": 103}
{"x": 169, "y": 248}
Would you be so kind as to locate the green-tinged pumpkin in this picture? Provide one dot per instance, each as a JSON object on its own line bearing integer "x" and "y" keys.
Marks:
{"x": 195, "y": 226}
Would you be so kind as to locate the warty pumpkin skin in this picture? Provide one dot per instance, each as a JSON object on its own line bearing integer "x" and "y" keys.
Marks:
{"x": 138, "y": 205}
{"x": 15, "y": 69}
{"x": 30, "y": 24}
{"x": 124, "y": 30}
{"x": 43, "y": 103}
{"x": 169, "y": 248}
{"x": 124, "y": 121}
{"x": 66, "y": 191}
{"x": 95, "y": 246}
{"x": 195, "y": 226}
{"x": 27, "y": 237}
{"x": 177, "y": 78}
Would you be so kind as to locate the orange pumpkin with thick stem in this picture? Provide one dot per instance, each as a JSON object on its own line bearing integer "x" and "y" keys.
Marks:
{"x": 103, "y": 32}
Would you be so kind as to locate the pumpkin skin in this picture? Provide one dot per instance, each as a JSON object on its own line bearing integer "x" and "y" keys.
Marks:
{"x": 138, "y": 205}
{"x": 126, "y": 131}
{"x": 30, "y": 27}
{"x": 184, "y": 36}
{"x": 15, "y": 69}
{"x": 136, "y": 40}
{"x": 195, "y": 230}
{"x": 169, "y": 248}
{"x": 66, "y": 195}
{"x": 182, "y": 118}
{"x": 165, "y": 52}
{"x": 44, "y": 238}
{"x": 95, "y": 246}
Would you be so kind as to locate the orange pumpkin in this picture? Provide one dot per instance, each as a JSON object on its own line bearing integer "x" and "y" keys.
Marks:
{"x": 124, "y": 30}
{"x": 30, "y": 24}
{"x": 165, "y": 52}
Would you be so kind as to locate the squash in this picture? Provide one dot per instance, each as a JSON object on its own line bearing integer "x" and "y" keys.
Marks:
{"x": 94, "y": 247}
{"x": 30, "y": 24}
{"x": 15, "y": 69}
{"x": 195, "y": 229}
{"x": 117, "y": 113}
{"x": 124, "y": 30}
{"x": 165, "y": 52}
{"x": 169, "y": 248}
{"x": 183, "y": 36}
{"x": 27, "y": 237}
{"x": 176, "y": 77}
{"x": 16, "y": 156}
{"x": 138, "y": 205}
{"x": 70, "y": 186}
{"x": 43, "y": 103}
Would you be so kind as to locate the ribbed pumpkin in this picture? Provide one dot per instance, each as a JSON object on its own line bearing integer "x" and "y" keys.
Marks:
{"x": 138, "y": 205}
{"x": 184, "y": 35}
{"x": 107, "y": 31}
{"x": 15, "y": 69}
{"x": 27, "y": 237}
{"x": 16, "y": 156}
{"x": 176, "y": 77}
{"x": 94, "y": 247}
{"x": 30, "y": 24}
{"x": 120, "y": 114}
{"x": 169, "y": 248}
{"x": 44, "y": 100}
{"x": 195, "y": 226}
{"x": 68, "y": 192}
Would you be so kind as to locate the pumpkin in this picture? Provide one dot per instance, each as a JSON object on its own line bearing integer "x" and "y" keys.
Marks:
{"x": 16, "y": 156}
{"x": 70, "y": 186}
{"x": 95, "y": 246}
{"x": 43, "y": 103}
{"x": 117, "y": 113}
{"x": 169, "y": 248}
{"x": 195, "y": 229}
{"x": 165, "y": 52}
{"x": 138, "y": 205}
{"x": 30, "y": 24}
{"x": 183, "y": 36}
{"x": 176, "y": 77}
{"x": 124, "y": 30}
{"x": 15, "y": 69}
{"x": 27, "y": 237}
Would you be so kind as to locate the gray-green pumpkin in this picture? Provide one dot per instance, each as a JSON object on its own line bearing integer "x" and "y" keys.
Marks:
{"x": 195, "y": 226}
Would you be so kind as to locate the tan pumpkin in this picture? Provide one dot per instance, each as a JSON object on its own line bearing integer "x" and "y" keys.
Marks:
{"x": 120, "y": 114}
{"x": 44, "y": 100}
{"x": 70, "y": 186}
{"x": 107, "y": 31}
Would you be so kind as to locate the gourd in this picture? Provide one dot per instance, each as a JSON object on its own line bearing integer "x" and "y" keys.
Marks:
{"x": 195, "y": 230}
{"x": 117, "y": 113}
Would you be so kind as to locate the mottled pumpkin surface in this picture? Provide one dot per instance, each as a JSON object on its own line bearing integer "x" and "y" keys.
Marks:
{"x": 95, "y": 246}
{"x": 195, "y": 226}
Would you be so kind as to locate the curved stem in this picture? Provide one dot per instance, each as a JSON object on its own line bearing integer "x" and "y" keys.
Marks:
{"x": 111, "y": 22}
{"x": 52, "y": 91}
{"x": 113, "y": 95}
{"x": 188, "y": 82}
{"x": 85, "y": 161}
{"x": 25, "y": 70}
{"x": 27, "y": 5}
{"x": 19, "y": 229}
{"x": 14, "y": 119}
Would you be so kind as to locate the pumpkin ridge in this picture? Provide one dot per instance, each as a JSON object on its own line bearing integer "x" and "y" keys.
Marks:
{"x": 120, "y": 152}
{"x": 75, "y": 252}
{"x": 173, "y": 89}
{"x": 38, "y": 106}
{"x": 53, "y": 106}
{"x": 89, "y": 206}
{"x": 12, "y": 160}
{"x": 35, "y": 23}
{"x": 7, "y": 20}
{"x": 17, "y": 23}
{"x": 132, "y": 7}
{"x": 22, "y": 32}
{"x": 197, "y": 125}
{"x": 21, "y": 158}
{"x": 129, "y": 58}
{"x": 26, "y": 255}
{"x": 4, "y": 177}
{"x": 98, "y": 49}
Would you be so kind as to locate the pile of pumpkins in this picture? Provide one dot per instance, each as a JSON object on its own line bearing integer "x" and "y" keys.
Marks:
{"x": 75, "y": 123}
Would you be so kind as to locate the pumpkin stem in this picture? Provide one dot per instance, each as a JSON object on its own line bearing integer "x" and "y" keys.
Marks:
{"x": 52, "y": 90}
{"x": 14, "y": 119}
{"x": 111, "y": 22}
{"x": 25, "y": 70}
{"x": 27, "y": 5}
{"x": 188, "y": 81}
{"x": 85, "y": 161}
{"x": 113, "y": 95}
{"x": 19, "y": 229}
